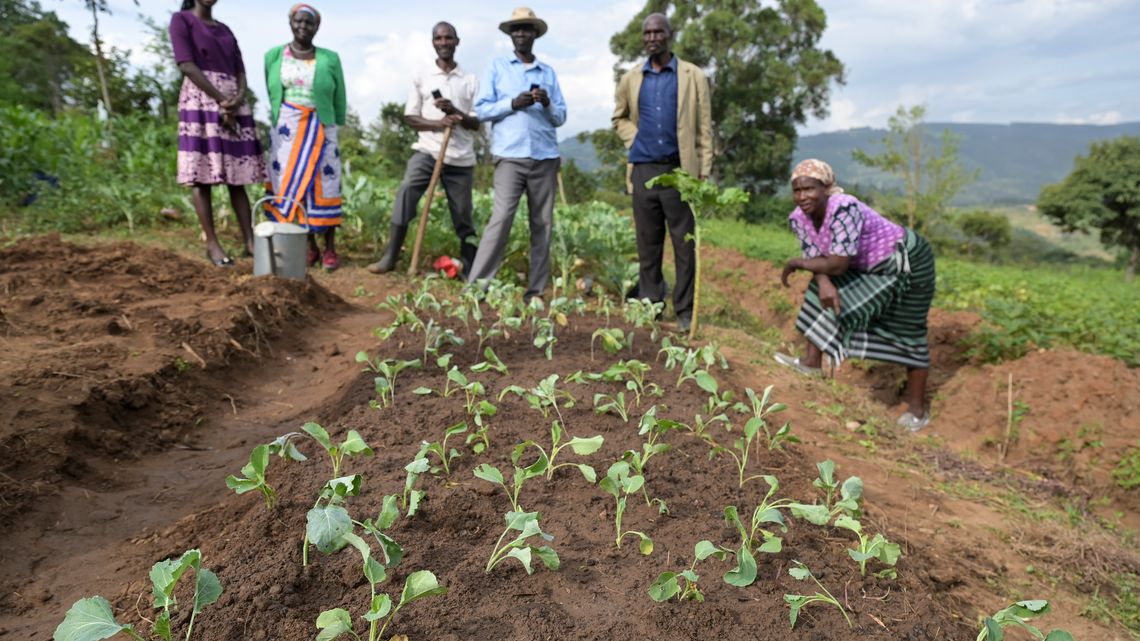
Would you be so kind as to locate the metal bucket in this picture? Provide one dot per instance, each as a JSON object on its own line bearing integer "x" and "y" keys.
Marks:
{"x": 279, "y": 249}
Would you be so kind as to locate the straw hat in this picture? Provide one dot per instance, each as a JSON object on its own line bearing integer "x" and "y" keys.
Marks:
{"x": 523, "y": 15}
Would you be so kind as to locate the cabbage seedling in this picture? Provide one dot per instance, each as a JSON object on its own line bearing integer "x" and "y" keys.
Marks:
{"x": 604, "y": 403}
{"x": 491, "y": 362}
{"x": 756, "y": 538}
{"x": 490, "y": 473}
{"x": 412, "y": 497}
{"x": 1017, "y": 615}
{"x": 352, "y": 445}
{"x": 742, "y": 447}
{"x": 388, "y": 370}
{"x": 327, "y": 524}
{"x": 544, "y": 337}
{"x": 620, "y": 483}
{"x": 335, "y": 623}
{"x": 877, "y": 547}
{"x": 580, "y": 446}
{"x": 668, "y": 584}
{"x": 526, "y": 524}
{"x": 797, "y": 602}
{"x": 439, "y": 448}
{"x": 642, "y": 313}
{"x": 850, "y": 493}
{"x": 436, "y": 336}
{"x": 613, "y": 340}
{"x": 91, "y": 619}
{"x": 760, "y": 410}
{"x": 253, "y": 477}
{"x": 652, "y": 428}
{"x": 544, "y": 397}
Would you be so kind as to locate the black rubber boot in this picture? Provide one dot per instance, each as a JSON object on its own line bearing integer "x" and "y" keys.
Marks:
{"x": 387, "y": 262}
{"x": 467, "y": 248}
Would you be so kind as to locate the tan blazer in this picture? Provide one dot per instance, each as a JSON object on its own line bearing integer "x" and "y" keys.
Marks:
{"x": 694, "y": 116}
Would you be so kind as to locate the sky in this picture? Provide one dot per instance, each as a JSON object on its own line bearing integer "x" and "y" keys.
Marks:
{"x": 980, "y": 61}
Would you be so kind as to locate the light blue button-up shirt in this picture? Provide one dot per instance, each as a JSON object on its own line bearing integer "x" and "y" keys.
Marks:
{"x": 523, "y": 133}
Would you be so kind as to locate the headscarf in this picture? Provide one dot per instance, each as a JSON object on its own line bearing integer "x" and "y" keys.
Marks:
{"x": 821, "y": 171}
{"x": 301, "y": 6}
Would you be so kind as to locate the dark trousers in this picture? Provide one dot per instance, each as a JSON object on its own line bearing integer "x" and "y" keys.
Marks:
{"x": 656, "y": 210}
{"x": 457, "y": 184}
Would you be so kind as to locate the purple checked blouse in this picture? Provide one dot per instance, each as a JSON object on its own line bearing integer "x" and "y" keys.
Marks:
{"x": 849, "y": 228}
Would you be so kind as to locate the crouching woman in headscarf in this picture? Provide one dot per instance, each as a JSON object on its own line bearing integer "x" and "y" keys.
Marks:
{"x": 307, "y": 104}
{"x": 872, "y": 287}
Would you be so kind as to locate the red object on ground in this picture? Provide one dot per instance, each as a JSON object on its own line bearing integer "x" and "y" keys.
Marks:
{"x": 446, "y": 265}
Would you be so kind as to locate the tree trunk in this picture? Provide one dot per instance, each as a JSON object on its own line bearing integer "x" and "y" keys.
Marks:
{"x": 99, "y": 59}
{"x": 1133, "y": 264}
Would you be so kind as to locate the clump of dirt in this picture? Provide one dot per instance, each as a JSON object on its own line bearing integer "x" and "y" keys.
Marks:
{"x": 108, "y": 350}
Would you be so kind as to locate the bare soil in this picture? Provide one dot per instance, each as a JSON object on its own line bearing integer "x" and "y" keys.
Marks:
{"x": 134, "y": 379}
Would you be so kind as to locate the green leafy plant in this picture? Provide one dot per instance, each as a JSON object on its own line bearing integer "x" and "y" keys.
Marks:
{"x": 439, "y": 448}
{"x": 336, "y": 623}
{"x": 1127, "y": 470}
{"x": 797, "y": 601}
{"x": 544, "y": 337}
{"x": 91, "y": 619}
{"x": 742, "y": 447}
{"x": 388, "y": 370}
{"x": 606, "y": 403}
{"x": 328, "y": 521}
{"x": 526, "y": 524}
{"x": 756, "y": 539}
{"x": 642, "y": 313}
{"x": 580, "y": 446}
{"x": 411, "y": 498}
{"x": 877, "y": 547}
{"x": 544, "y": 397}
{"x": 620, "y": 483}
{"x": 352, "y": 445}
{"x": 652, "y": 429}
{"x": 253, "y": 476}
{"x": 613, "y": 340}
{"x": 436, "y": 336}
{"x": 760, "y": 409}
{"x": 490, "y": 362}
{"x": 669, "y": 584}
{"x": 846, "y": 502}
{"x": 491, "y": 474}
{"x": 706, "y": 200}
{"x": 1018, "y": 615}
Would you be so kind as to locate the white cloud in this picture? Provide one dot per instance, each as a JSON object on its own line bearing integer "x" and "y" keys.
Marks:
{"x": 1103, "y": 118}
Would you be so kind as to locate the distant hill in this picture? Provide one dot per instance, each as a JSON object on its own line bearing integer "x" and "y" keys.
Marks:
{"x": 1015, "y": 160}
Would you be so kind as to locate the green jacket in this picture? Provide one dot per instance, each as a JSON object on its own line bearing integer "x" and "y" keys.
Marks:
{"x": 328, "y": 85}
{"x": 694, "y": 115}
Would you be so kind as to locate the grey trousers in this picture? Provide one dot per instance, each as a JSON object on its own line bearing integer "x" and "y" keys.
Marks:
{"x": 457, "y": 184}
{"x": 538, "y": 179}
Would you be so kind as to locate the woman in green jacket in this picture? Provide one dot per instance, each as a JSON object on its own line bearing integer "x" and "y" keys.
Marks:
{"x": 307, "y": 104}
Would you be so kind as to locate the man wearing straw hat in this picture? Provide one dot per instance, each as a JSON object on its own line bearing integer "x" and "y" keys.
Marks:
{"x": 519, "y": 95}
{"x": 442, "y": 96}
{"x": 662, "y": 113}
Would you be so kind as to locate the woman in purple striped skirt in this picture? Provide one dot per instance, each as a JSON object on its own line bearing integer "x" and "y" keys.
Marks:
{"x": 217, "y": 141}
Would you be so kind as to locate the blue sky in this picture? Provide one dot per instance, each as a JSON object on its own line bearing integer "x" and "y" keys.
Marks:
{"x": 996, "y": 61}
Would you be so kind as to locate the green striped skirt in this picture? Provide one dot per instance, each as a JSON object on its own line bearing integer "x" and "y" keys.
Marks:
{"x": 882, "y": 311}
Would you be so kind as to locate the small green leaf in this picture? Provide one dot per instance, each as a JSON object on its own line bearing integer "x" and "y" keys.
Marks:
{"x": 848, "y": 523}
{"x": 381, "y": 606}
{"x": 814, "y": 514}
{"x": 317, "y": 432}
{"x": 588, "y": 472}
{"x": 458, "y": 428}
{"x": 706, "y": 382}
{"x": 799, "y": 573}
{"x": 419, "y": 465}
{"x": 852, "y": 488}
{"x": 523, "y": 555}
{"x": 489, "y": 472}
{"x": 704, "y": 549}
{"x": 665, "y": 587}
{"x": 414, "y": 498}
{"x": 645, "y": 546}
{"x": 89, "y": 619}
{"x": 327, "y": 526}
{"x": 771, "y": 545}
{"x": 993, "y": 630}
{"x": 796, "y": 602}
{"x": 549, "y": 557}
{"x": 744, "y": 574}
{"x": 586, "y": 446}
{"x": 388, "y": 513}
{"x": 1059, "y": 635}
{"x": 374, "y": 571}
{"x": 353, "y": 444}
{"x": 207, "y": 589}
{"x": 333, "y": 623}
{"x": 345, "y": 485}
{"x": 418, "y": 585}
{"x": 423, "y": 391}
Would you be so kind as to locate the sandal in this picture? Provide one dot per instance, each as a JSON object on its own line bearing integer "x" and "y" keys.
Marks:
{"x": 330, "y": 261}
{"x": 914, "y": 423}
{"x": 794, "y": 363}
{"x": 224, "y": 261}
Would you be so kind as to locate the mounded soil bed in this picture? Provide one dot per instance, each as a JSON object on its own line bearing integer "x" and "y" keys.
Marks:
{"x": 133, "y": 381}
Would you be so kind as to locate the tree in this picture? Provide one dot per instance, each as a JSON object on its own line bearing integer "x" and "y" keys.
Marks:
{"x": 579, "y": 186}
{"x": 929, "y": 181}
{"x": 41, "y": 60}
{"x": 1101, "y": 193}
{"x": 392, "y": 139}
{"x": 612, "y": 157}
{"x": 767, "y": 75}
{"x": 985, "y": 228}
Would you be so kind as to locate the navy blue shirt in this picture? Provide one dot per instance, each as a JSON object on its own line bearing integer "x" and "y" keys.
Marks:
{"x": 656, "y": 139}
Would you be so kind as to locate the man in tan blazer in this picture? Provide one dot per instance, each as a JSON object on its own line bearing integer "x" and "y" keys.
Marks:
{"x": 662, "y": 113}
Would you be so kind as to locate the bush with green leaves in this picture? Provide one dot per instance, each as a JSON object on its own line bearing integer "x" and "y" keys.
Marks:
{"x": 91, "y": 619}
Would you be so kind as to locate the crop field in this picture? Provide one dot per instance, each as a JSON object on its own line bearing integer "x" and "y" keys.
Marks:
{"x": 207, "y": 455}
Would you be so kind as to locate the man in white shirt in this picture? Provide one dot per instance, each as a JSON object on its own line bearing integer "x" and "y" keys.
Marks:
{"x": 442, "y": 96}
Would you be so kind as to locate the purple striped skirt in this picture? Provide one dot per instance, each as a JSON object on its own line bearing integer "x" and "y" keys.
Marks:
{"x": 209, "y": 154}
